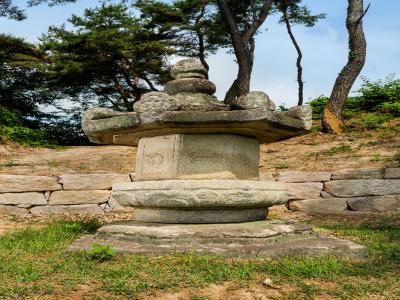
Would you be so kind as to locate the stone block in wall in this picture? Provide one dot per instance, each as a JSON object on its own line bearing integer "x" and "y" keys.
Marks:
{"x": 84, "y": 209}
{"x": 358, "y": 174}
{"x": 13, "y": 211}
{"x": 326, "y": 195}
{"x": 300, "y": 176}
{"x": 116, "y": 207}
{"x": 79, "y": 197}
{"x": 91, "y": 181}
{"x": 378, "y": 204}
{"x": 362, "y": 187}
{"x": 319, "y": 206}
{"x": 22, "y": 183}
{"x": 305, "y": 190}
{"x": 392, "y": 173}
{"x": 31, "y": 198}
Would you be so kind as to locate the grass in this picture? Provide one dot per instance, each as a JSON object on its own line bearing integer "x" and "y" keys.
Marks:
{"x": 35, "y": 263}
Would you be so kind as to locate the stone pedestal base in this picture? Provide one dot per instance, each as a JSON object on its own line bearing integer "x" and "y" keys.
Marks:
{"x": 200, "y": 216}
{"x": 200, "y": 201}
{"x": 265, "y": 239}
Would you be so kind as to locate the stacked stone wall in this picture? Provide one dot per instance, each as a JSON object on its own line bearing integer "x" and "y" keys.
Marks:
{"x": 345, "y": 191}
{"x": 352, "y": 191}
{"x": 26, "y": 196}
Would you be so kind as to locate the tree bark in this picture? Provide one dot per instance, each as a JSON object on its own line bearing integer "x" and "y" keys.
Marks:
{"x": 299, "y": 58}
{"x": 243, "y": 46}
{"x": 332, "y": 115}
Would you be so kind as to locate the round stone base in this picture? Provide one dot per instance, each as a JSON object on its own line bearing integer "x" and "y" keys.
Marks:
{"x": 265, "y": 239}
{"x": 200, "y": 216}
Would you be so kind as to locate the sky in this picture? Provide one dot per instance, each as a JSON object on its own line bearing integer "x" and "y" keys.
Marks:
{"x": 324, "y": 47}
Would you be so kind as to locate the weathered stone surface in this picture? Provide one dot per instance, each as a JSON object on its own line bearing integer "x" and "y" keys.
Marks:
{"x": 79, "y": 197}
{"x": 22, "y": 183}
{"x": 91, "y": 181}
{"x": 188, "y": 66}
{"x": 155, "y": 103}
{"x": 320, "y": 206}
{"x": 84, "y": 209}
{"x": 305, "y": 190}
{"x": 197, "y": 102}
{"x": 30, "y": 198}
{"x": 302, "y": 112}
{"x": 115, "y": 206}
{"x": 378, "y": 204}
{"x": 132, "y": 176}
{"x": 201, "y": 184}
{"x": 358, "y": 174}
{"x": 189, "y": 85}
{"x": 159, "y": 232}
{"x": 13, "y": 211}
{"x": 200, "y": 216}
{"x": 392, "y": 173}
{"x": 201, "y": 198}
{"x": 326, "y": 195}
{"x": 302, "y": 176}
{"x": 363, "y": 187}
{"x": 253, "y": 100}
{"x": 99, "y": 123}
{"x": 268, "y": 239}
{"x": 128, "y": 128}
{"x": 197, "y": 156}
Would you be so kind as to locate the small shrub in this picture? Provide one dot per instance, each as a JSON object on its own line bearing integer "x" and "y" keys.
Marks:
{"x": 376, "y": 93}
{"x": 373, "y": 121}
{"x": 338, "y": 150}
{"x": 101, "y": 252}
{"x": 9, "y": 118}
{"x": 25, "y": 136}
{"x": 281, "y": 165}
{"x": 282, "y": 107}
{"x": 317, "y": 106}
{"x": 391, "y": 108}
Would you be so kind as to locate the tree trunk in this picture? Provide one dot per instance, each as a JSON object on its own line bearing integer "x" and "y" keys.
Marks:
{"x": 241, "y": 85}
{"x": 332, "y": 115}
{"x": 243, "y": 46}
{"x": 299, "y": 58}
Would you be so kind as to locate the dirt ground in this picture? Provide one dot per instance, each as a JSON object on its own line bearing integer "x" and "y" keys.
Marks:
{"x": 314, "y": 151}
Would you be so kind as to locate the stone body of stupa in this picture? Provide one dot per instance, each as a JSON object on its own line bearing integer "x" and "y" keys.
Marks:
{"x": 198, "y": 163}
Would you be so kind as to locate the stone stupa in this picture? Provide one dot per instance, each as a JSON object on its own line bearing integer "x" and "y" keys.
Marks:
{"x": 197, "y": 182}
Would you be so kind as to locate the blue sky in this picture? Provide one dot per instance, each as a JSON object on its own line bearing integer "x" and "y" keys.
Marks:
{"x": 324, "y": 47}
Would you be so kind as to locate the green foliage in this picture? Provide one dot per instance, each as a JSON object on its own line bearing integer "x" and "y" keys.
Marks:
{"x": 9, "y": 118}
{"x": 373, "y": 121}
{"x": 25, "y": 136}
{"x": 338, "y": 150}
{"x": 317, "y": 106}
{"x": 51, "y": 237}
{"x": 35, "y": 262}
{"x": 100, "y": 252}
{"x": 297, "y": 13}
{"x": 375, "y": 94}
{"x": 110, "y": 54}
{"x": 282, "y": 107}
{"x": 381, "y": 97}
{"x": 8, "y": 10}
{"x": 390, "y": 107}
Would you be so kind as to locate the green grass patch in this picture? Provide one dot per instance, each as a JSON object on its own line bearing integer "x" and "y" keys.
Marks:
{"x": 35, "y": 263}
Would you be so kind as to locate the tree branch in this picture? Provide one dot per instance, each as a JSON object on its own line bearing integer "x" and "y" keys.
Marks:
{"x": 364, "y": 13}
{"x": 151, "y": 85}
{"x": 257, "y": 23}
